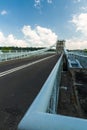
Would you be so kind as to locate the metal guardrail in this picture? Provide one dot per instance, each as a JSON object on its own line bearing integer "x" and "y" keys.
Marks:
{"x": 81, "y": 58}
{"x": 77, "y": 54}
{"x": 46, "y": 101}
{"x": 76, "y": 57}
{"x": 38, "y": 117}
{"x": 17, "y": 54}
{"x": 74, "y": 54}
{"x": 13, "y": 55}
{"x": 74, "y": 64}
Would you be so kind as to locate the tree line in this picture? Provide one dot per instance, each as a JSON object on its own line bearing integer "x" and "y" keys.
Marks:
{"x": 13, "y": 49}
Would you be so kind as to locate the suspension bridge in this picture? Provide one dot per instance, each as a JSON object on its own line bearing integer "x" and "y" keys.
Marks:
{"x": 30, "y": 87}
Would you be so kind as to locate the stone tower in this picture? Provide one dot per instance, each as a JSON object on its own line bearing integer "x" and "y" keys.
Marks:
{"x": 60, "y": 46}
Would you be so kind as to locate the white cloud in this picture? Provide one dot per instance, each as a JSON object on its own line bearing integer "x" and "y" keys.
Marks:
{"x": 76, "y": 1}
{"x": 83, "y": 8}
{"x": 10, "y": 40}
{"x": 39, "y": 37}
{"x": 37, "y": 3}
{"x": 76, "y": 44}
{"x": 3, "y": 12}
{"x": 50, "y": 1}
{"x": 80, "y": 21}
{"x": 2, "y": 38}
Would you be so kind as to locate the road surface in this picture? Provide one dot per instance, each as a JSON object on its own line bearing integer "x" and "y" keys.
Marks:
{"x": 19, "y": 88}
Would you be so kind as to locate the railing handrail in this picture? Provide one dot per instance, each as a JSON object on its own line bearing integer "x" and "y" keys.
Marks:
{"x": 41, "y": 102}
{"x": 73, "y": 53}
{"x": 80, "y": 55}
{"x": 36, "y": 117}
{"x": 22, "y": 54}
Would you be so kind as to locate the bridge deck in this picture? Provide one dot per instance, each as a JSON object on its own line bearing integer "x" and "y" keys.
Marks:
{"x": 19, "y": 89}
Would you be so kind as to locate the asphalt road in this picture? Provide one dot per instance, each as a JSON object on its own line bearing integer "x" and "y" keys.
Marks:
{"x": 19, "y": 89}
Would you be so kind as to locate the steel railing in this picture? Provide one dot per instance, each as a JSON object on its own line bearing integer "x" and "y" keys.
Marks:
{"x": 13, "y": 55}
{"x": 21, "y": 54}
{"x": 47, "y": 99}
{"x": 73, "y": 56}
{"x": 38, "y": 117}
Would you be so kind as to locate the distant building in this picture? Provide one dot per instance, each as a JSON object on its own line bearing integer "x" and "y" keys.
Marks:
{"x": 60, "y": 46}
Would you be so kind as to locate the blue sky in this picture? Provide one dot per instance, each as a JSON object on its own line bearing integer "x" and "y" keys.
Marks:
{"x": 42, "y": 22}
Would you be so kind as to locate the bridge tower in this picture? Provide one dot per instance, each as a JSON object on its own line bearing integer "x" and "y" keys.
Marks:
{"x": 60, "y": 46}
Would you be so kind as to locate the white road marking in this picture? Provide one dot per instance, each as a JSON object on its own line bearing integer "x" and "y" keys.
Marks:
{"x": 22, "y": 67}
